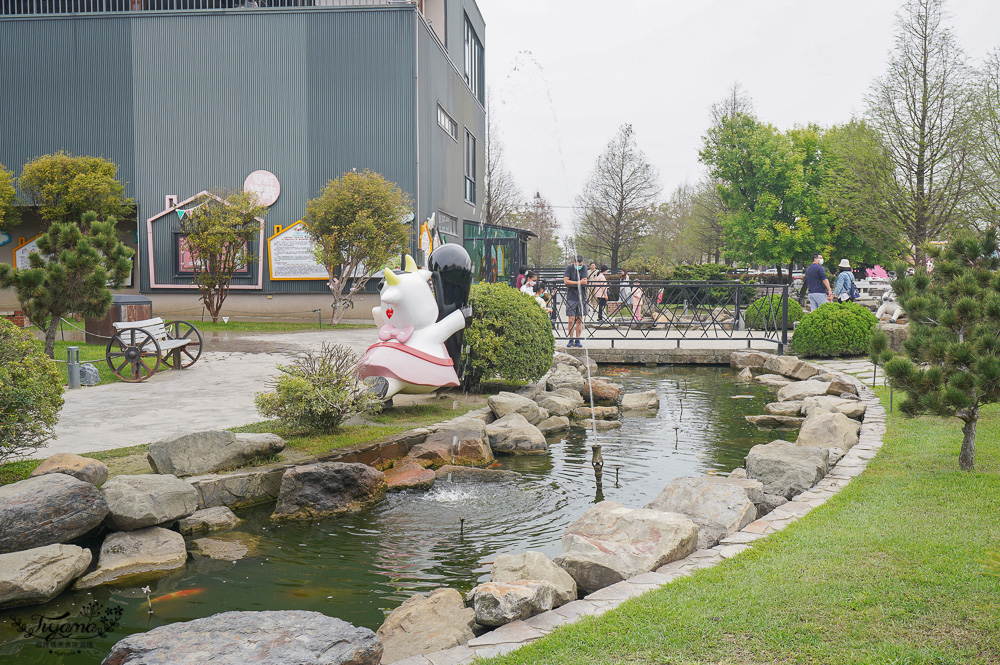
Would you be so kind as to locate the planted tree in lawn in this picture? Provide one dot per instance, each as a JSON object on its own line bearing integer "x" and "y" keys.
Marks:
{"x": 73, "y": 272}
{"x": 63, "y": 187}
{"x": 219, "y": 233}
{"x": 357, "y": 226}
{"x": 951, "y": 365}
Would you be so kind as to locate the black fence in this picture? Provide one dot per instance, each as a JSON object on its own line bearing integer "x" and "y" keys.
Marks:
{"x": 674, "y": 311}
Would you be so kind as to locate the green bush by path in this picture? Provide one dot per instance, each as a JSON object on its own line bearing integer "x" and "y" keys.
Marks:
{"x": 510, "y": 337}
{"x": 30, "y": 393}
{"x": 834, "y": 330}
{"x": 765, "y": 313}
{"x": 890, "y": 570}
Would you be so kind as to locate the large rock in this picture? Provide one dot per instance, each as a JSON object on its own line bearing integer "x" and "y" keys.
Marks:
{"x": 791, "y": 367}
{"x": 86, "y": 469}
{"x": 840, "y": 386}
{"x": 514, "y": 435}
{"x": 422, "y": 624}
{"x": 469, "y": 474}
{"x": 553, "y": 424}
{"x": 135, "y": 502}
{"x": 40, "y": 574}
{"x": 503, "y": 403}
{"x": 205, "y": 452}
{"x": 767, "y": 421}
{"x": 785, "y": 468}
{"x": 748, "y": 359}
{"x": 463, "y": 424}
{"x": 209, "y": 519}
{"x": 754, "y": 489}
{"x": 561, "y": 402}
{"x": 719, "y": 509}
{"x": 773, "y": 380}
{"x": 290, "y": 637}
{"x": 328, "y": 488}
{"x": 240, "y": 488}
{"x": 599, "y": 425}
{"x": 829, "y": 430}
{"x": 799, "y": 390}
{"x": 604, "y": 391}
{"x": 598, "y": 412}
{"x": 560, "y": 358}
{"x": 564, "y": 376}
{"x": 408, "y": 476}
{"x": 227, "y": 546}
{"x": 793, "y": 408}
{"x": 851, "y": 408}
{"x": 498, "y": 603}
{"x": 462, "y": 447}
{"x": 535, "y": 566}
{"x": 610, "y": 543}
{"x": 130, "y": 557}
{"x": 745, "y": 375}
{"x": 648, "y": 399}
{"x": 49, "y": 509}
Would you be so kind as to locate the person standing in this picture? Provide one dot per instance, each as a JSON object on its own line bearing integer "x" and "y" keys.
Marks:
{"x": 519, "y": 282}
{"x": 576, "y": 302}
{"x": 636, "y": 301}
{"x": 528, "y": 285}
{"x": 624, "y": 290}
{"x": 844, "y": 287}
{"x": 817, "y": 284}
{"x": 600, "y": 283}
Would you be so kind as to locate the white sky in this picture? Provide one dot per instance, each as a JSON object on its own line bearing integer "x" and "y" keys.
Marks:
{"x": 565, "y": 74}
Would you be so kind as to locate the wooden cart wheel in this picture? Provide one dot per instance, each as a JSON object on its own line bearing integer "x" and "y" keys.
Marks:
{"x": 188, "y": 354}
{"x": 133, "y": 355}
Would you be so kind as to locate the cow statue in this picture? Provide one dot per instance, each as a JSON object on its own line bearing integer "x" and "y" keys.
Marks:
{"x": 889, "y": 306}
{"x": 410, "y": 356}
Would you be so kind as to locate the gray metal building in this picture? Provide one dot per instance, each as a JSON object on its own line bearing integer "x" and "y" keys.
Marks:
{"x": 193, "y": 95}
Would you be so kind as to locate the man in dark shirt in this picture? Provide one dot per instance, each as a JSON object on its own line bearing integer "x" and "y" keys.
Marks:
{"x": 575, "y": 279}
{"x": 817, "y": 284}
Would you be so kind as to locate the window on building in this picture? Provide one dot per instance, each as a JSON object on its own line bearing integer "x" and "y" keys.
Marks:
{"x": 447, "y": 223}
{"x": 470, "y": 168}
{"x": 447, "y": 123}
{"x": 474, "y": 61}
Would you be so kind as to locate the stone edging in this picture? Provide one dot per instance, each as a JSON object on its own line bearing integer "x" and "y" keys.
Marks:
{"x": 516, "y": 634}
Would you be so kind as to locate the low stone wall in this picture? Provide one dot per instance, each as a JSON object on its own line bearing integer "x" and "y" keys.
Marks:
{"x": 655, "y": 356}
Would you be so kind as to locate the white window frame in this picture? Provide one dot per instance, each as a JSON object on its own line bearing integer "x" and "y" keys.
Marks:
{"x": 474, "y": 55}
{"x": 447, "y": 223}
{"x": 470, "y": 167}
{"x": 447, "y": 123}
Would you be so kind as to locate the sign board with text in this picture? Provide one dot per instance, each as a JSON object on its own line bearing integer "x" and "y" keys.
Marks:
{"x": 290, "y": 254}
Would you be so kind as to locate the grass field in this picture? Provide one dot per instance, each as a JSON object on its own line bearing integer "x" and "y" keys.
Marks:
{"x": 898, "y": 568}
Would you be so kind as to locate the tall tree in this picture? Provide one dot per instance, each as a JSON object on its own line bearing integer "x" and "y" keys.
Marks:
{"x": 357, "y": 225}
{"x": 220, "y": 234}
{"x": 921, "y": 112}
{"x": 7, "y": 195}
{"x": 63, "y": 187}
{"x": 986, "y": 141}
{"x": 540, "y": 219}
{"x": 617, "y": 200}
{"x": 76, "y": 266}
{"x": 705, "y": 230}
{"x": 502, "y": 197}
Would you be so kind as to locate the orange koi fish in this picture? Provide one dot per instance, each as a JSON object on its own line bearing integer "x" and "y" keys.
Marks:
{"x": 184, "y": 593}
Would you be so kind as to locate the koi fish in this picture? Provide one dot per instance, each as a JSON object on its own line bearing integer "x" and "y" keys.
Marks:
{"x": 183, "y": 593}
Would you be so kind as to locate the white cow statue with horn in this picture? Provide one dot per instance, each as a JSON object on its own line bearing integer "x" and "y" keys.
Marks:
{"x": 410, "y": 354}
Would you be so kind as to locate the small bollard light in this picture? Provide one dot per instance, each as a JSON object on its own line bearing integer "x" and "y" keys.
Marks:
{"x": 319, "y": 317}
{"x": 73, "y": 363}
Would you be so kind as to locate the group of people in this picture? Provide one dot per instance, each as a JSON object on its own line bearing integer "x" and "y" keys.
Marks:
{"x": 575, "y": 278}
{"x": 817, "y": 284}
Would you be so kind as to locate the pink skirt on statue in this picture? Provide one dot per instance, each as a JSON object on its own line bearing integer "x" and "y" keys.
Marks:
{"x": 393, "y": 360}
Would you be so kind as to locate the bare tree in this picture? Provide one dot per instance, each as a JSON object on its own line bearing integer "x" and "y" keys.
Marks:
{"x": 502, "y": 195}
{"x": 540, "y": 219}
{"x": 618, "y": 200}
{"x": 987, "y": 141}
{"x": 737, "y": 102}
{"x": 921, "y": 112}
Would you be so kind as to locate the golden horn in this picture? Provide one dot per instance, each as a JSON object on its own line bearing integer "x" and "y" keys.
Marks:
{"x": 390, "y": 277}
{"x": 411, "y": 265}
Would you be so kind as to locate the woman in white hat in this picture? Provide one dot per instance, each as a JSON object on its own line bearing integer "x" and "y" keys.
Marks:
{"x": 844, "y": 288}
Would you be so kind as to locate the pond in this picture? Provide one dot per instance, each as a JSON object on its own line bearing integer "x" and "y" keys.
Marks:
{"x": 360, "y": 567}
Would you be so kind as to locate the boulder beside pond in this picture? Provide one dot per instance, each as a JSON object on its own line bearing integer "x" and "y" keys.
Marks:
{"x": 564, "y": 376}
{"x": 422, "y": 624}
{"x": 851, "y": 408}
{"x": 46, "y": 510}
{"x": 786, "y": 469}
{"x": 503, "y": 403}
{"x": 209, "y": 519}
{"x": 261, "y": 638}
{"x": 514, "y": 435}
{"x": 648, "y": 399}
{"x": 408, "y": 476}
{"x": 40, "y": 574}
{"x": 135, "y": 502}
{"x": 462, "y": 447}
{"x": 130, "y": 557}
{"x": 553, "y": 424}
{"x": 560, "y": 402}
{"x": 499, "y": 603}
{"x": 799, "y": 390}
{"x": 86, "y": 469}
{"x": 718, "y": 508}
{"x": 205, "y": 452}
{"x": 328, "y": 488}
{"x": 535, "y": 566}
{"x": 829, "y": 430}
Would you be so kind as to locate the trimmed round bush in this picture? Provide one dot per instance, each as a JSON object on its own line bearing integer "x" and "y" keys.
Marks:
{"x": 510, "y": 337}
{"x": 835, "y": 329}
{"x": 30, "y": 393}
{"x": 765, "y": 313}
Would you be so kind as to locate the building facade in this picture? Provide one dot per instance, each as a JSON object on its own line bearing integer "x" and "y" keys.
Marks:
{"x": 188, "y": 96}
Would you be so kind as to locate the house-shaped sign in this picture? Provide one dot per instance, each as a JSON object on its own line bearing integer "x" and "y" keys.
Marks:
{"x": 291, "y": 255}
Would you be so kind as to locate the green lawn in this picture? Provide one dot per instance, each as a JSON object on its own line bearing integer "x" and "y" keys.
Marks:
{"x": 96, "y": 354}
{"x": 896, "y": 569}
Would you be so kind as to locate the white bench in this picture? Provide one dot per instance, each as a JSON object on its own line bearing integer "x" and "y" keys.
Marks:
{"x": 135, "y": 342}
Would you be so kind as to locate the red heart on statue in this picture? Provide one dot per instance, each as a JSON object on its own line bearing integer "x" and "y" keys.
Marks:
{"x": 388, "y": 313}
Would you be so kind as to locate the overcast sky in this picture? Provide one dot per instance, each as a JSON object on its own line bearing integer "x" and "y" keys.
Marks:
{"x": 565, "y": 74}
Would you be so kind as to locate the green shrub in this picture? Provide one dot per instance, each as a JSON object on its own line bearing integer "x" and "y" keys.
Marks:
{"x": 318, "y": 392}
{"x": 835, "y": 329}
{"x": 510, "y": 337}
{"x": 30, "y": 393}
{"x": 765, "y": 313}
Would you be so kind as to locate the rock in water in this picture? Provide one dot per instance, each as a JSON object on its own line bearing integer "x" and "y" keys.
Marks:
{"x": 799, "y": 390}
{"x": 553, "y": 424}
{"x": 718, "y": 508}
{"x": 209, "y": 519}
{"x": 561, "y": 402}
{"x": 408, "y": 476}
{"x": 514, "y": 435}
{"x": 497, "y": 603}
{"x": 849, "y": 407}
{"x": 423, "y": 624}
{"x": 786, "y": 469}
{"x": 534, "y": 566}
{"x": 769, "y": 421}
{"x": 564, "y": 376}
{"x": 205, "y": 452}
{"x": 745, "y": 375}
{"x": 648, "y": 399}
{"x": 604, "y": 392}
{"x": 49, "y": 509}
{"x": 134, "y": 556}
{"x": 610, "y": 543}
{"x": 259, "y": 638}
{"x": 86, "y": 469}
{"x": 328, "y": 488}
{"x": 598, "y": 412}
{"x": 135, "y": 502}
{"x": 504, "y": 403}
{"x": 462, "y": 447}
{"x": 829, "y": 430}
{"x": 40, "y": 574}
{"x": 793, "y": 409}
